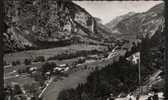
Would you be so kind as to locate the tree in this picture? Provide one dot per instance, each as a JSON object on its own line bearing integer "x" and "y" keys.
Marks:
{"x": 14, "y": 63}
{"x": 39, "y": 78}
{"x": 134, "y": 47}
{"x": 17, "y": 90}
{"x": 85, "y": 96}
{"x": 27, "y": 61}
{"x": 32, "y": 89}
{"x": 68, "y": 95}
{"x": 17, "y": 62}
{"x": 165, "y": 53}
{"x": 4, "y": 63}
{"x": 48, "y": 66}
{"x": 39, "y": 59}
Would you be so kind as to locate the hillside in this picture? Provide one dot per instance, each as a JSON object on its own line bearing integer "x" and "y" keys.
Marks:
{"x": 148, "y": 27}
{"x": 118, "y": 19}
{"x": 33, "y": 24}
{"x": 139, "y": 24}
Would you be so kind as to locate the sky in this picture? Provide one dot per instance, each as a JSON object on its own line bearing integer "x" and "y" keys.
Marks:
{"x": 108, "y": 10}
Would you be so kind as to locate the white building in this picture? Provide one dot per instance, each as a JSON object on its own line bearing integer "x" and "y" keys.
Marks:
{"x": 63, "y": 65}
{"x": 33, "y": 69}
{"x": 134, "y": 58}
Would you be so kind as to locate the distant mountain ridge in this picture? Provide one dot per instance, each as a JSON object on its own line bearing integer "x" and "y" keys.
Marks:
{"x": 116, "y": 20}
{"x": 33, "y": 24}
{"x": 141, "y": 24}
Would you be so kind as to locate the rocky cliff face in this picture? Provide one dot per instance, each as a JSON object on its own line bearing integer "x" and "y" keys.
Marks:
{"x": 34, "y": 23}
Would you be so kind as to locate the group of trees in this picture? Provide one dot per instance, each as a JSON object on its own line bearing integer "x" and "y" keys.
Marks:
{"x": 32, "y": 88}
{"x": 17, "y": 62}
{"x": 81, "y": 53}
{"x": 39, "y": 76}
{"x": 47, "y": 67}
{"x": 39, "y": 59}
{"x": 12, "y": 91}
{"x": 24, "y": 70}
{"x": 150, "y": 53}
{"x": 79, "y": 61}
{"x": 14, "y": 63}
{"x": 28, "y": 61}
{"x": 135, "y": 47}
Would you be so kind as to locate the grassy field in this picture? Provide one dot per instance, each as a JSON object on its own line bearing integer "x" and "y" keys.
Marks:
{"x": 21, "y": 80}
{"x": 21, "y": 56}
{"x": 75, "y": 78}
{"x": 48, "y": 52}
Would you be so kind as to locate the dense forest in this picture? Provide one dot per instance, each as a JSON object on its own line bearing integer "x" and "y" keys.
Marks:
{"x": 119, "y": 77}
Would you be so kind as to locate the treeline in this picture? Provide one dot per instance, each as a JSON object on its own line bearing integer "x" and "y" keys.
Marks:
{"x": 27, "y": 61}
{"x": 82, "y": 53}
{"x": 116, "y": 78}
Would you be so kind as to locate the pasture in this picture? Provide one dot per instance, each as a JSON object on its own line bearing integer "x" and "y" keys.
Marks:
{"x": 31, "y": 54}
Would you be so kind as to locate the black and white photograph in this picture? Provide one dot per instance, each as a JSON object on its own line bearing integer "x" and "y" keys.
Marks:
{"x": 84, "y": 50}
